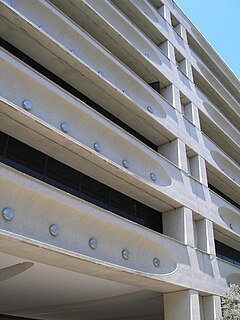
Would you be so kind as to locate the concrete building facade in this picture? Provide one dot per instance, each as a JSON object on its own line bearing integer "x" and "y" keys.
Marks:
{"x": 120, "y": 158}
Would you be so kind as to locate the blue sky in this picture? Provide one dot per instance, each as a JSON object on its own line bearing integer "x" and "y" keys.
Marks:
{"x": 219, "y": 22}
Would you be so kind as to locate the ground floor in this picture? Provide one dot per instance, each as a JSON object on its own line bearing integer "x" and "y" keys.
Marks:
{"x": 42, "y": 291}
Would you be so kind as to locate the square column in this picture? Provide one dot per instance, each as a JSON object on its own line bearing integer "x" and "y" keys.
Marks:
{"x": 168, "y": 50}
{"x": 181, "y": 31}
{"x": 183, "y": 305}
{"x": 210, "y": 307}
{"x": 165, "y": 13}
{"x": 178, "y": 224}
{"x": 204, "y": 237}
{"x": 175, "y": 151}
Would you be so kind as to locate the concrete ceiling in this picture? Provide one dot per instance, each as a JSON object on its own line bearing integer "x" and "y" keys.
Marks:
{"x": 46, "y": 292}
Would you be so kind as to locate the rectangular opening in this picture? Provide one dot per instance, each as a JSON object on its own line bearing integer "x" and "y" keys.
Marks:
{"x": 200, "y": 232}
{"x": 164, "y": 90}
{"x": 193, "y": 163}
{"x": 62, "y": 176}
{"x": 157, "y": 4}
{"x": 39, "y": 165}
{"x": 187, "y": 107}
{"x": 156, "y": 86}
{"x": 227, "y": 253}
{"x": 24, "y": 158}
{"x": 48, "y": 74}
{"x": 176, "y": 25}
{"x": 174, "y": 21}
{"x": 181, "y": 62}
{"x": 94, "y": 191}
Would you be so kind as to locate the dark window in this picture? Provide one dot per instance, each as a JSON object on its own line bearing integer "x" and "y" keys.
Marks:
{"x": 149, "y": 217}
{"x": 35, "y": 65}
{"x": 221, "y": 194}
{"x": 25, "y": 158}
{"x": 3, "y": 138}
{"x": 156, "y": 86}
{"x": 42, "y": 167}
{"x": 227, "y": 253}
{"x": 62, "y": 176}
{"x": 95, "y": 191}
{"x": 123, "y": 205}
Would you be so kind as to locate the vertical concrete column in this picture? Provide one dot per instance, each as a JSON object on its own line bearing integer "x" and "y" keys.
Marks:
{"x": 165, "y": 12}
{"x": 167, "y": 93}
{"x": 170, "y": 151}
{"x": 178, "y": 224}
{"x": 196, "y": 117}
{"x": 202, "y": 171}
{"x": 172, "y": 95}
{"x": 183, "y": 161}
{"x": 168, "y": 50}
{"x": 189, "y": 72}
{"x": 183, "y": 305}
{"x": 194, "y": 167}
{"x": 177, "y": 100}
{"x": 177, "y": 103}
{"x": 181, "y": 31}
{"x": 211, "y": 308}
{"x": 205, "y": 236}
{"x": 175, "y": 151}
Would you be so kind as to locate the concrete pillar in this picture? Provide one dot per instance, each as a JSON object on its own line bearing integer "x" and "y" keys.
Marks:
{"x": 170, "y": 151}
{"x": 168, "y": 93}
{"x": 168, "y": 50}
{"x": 189, "y": 72}
{"x": 187, "y": 110}
{"x": 182, "y": 65}
{"x": 178, "y": 224}
{"x": 197, "y": 168}
{"x": 196, "y": 117}
{"x": 183, "y": 161}
{"x": 181, "y": 31}
{"x": 177, "y": 103}
{"x": 194, "y": 167}
{"x": 203, "y": 171}
{"x": 210, "y": 308}
{"x": 175, "y": 151}
{"x": 165, "y": 12}
{"x": 186, "y": 68}
{"x": 205, "y": 236}
{"x": 183, "y": 305}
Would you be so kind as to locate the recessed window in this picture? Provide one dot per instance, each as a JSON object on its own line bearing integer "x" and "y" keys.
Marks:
{"x": 148, "y": 217}
{"x": 123, "y": 204}
{"x": 95, "y": 190}
{"x": 62, "y": 176}
{"x": 39, "y": 165}
{"x": 25, "y": 158}
{"x": 156, "y": 86}
{"x": 227, "y": 253}
{"x": 48, "y": 74}
{"x": 3, "y": 138}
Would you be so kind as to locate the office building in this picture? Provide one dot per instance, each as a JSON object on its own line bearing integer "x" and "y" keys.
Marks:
{"x": 119, "y": 163}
